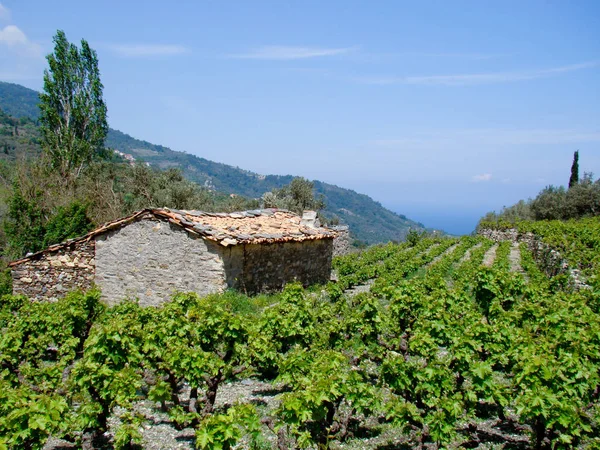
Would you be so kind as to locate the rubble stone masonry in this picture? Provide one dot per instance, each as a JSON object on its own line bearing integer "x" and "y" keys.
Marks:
{"x": 52, "y": 275}
{"x": 150, "y": 260}
{"x": 342, "y": 244}
{"x": 256, "y": 268}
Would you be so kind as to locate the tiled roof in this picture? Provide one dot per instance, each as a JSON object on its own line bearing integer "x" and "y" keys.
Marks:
{"x": 245, "y": 227}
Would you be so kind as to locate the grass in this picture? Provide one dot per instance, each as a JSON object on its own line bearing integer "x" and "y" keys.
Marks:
{"x": 243, "y": 304}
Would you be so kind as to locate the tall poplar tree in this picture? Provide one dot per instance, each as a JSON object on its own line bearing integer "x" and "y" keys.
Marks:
{"x": 73, "y": 112}
{"x": 574, "y": 170}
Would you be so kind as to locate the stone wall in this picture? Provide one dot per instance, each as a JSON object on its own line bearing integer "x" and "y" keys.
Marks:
{"x": 548, "y": 259}
{"x": 51, "y": 275}
{"x": 342, "y": 244}
{"x": 268, "y": 267}
{"x": 150, "y": 260}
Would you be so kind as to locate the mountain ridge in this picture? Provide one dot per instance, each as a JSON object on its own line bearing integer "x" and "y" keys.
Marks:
{"x": 369, "y": 221}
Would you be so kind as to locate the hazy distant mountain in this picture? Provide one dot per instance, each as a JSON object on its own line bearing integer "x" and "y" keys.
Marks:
{"x": 368, "y": 220}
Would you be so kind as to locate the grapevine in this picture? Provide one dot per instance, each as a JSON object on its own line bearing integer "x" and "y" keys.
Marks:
{"x": 440, "y": 352}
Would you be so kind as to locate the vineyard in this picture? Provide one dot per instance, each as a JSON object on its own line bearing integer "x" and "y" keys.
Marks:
{"x": 432, "y": 343}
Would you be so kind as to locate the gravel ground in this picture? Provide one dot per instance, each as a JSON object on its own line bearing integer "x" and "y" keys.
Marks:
{"x": 360, "y": 288}
{"x": 437, "y": 258}
{"x": 490, "y": 256}
{"x": 467, "y": 254}
{"x": 514, "y": 258}
{"x": 160, "y": 434}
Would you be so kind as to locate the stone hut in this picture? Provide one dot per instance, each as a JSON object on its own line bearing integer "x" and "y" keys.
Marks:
{"x": 155, "y": 252}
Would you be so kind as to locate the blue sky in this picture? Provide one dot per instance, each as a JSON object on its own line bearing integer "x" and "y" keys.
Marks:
{"x": 440, "y": 110}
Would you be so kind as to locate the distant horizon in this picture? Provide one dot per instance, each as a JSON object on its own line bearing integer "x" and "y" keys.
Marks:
{"x": 457, "y": 223}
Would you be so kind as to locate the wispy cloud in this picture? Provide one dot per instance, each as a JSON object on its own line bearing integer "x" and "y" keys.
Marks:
{"x": 287, "y": 53}
{"x": 4, "y": 12}
{"x": 147, "y": 50}
{"x": 490, "y": 137}
{"x": 478, "y": 79}
{"x": 457, "y": 55}
{"x": 482, "y": 177}
{"x": 13, "y": 39}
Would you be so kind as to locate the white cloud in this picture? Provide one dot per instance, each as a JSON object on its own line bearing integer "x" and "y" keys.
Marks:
{"x": 11, "y": 35}
{"x": 287, "y": 53}
{"x": 482, "y": 177}
{"x": 146, "y": 50}
{"x": 478, "y": 79}
{"x": 4, "y": 12}
{"x": 13, "y": 38}
{"x": 20, "y": 58}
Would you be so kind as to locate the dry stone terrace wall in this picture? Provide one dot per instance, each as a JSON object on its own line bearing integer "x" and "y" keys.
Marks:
{"x": 152, "y": 259}
{"x": 268, "y": 267}
{"x": 52, "y": 275}
{"x": 549, "y": 260}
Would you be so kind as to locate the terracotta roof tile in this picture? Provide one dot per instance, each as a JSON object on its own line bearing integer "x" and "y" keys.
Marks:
{"x": 247, "y": 227}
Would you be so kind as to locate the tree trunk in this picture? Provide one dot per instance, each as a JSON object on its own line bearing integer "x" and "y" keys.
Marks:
{"x": 192, "y": 407}
{"x": 539, "y": 429}
{"x": 174, "y": 388}
{"x": 211, "y": 393}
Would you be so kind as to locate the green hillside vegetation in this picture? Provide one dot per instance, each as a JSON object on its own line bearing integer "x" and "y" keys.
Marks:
{"x": 18, "y": 101}
{"x": 369, "y": 221}
{"x": 18, "y": 137}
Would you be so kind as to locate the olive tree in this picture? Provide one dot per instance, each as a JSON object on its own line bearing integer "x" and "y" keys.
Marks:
{"x": 297, "y": 196}
{"x": 72, "y": 110}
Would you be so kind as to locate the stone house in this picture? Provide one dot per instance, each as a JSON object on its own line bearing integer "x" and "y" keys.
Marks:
{"x": 155, "y": 252}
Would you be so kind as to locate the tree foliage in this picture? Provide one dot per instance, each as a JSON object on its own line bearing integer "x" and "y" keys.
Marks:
{"x": 68, "y": 222}
{"x": 580, "y": 199}
{"x": 42, "y": 210}
{"x": 24, "y": 226}
{"x": 297, "y": 196}
{"x": 72, "y": 110}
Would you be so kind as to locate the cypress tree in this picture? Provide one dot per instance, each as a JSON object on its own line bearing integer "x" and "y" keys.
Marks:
{"x": 574, "y": 170}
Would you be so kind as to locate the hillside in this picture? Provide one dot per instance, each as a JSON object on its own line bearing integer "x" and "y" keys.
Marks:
{"x": 17, "y": 137}
{"x": 369, "y": 221}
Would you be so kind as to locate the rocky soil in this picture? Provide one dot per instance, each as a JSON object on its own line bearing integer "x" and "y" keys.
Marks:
{"x": 514, "y": 258}
{"x": 159, "y": 432}
{"x": 490, "y": 256}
